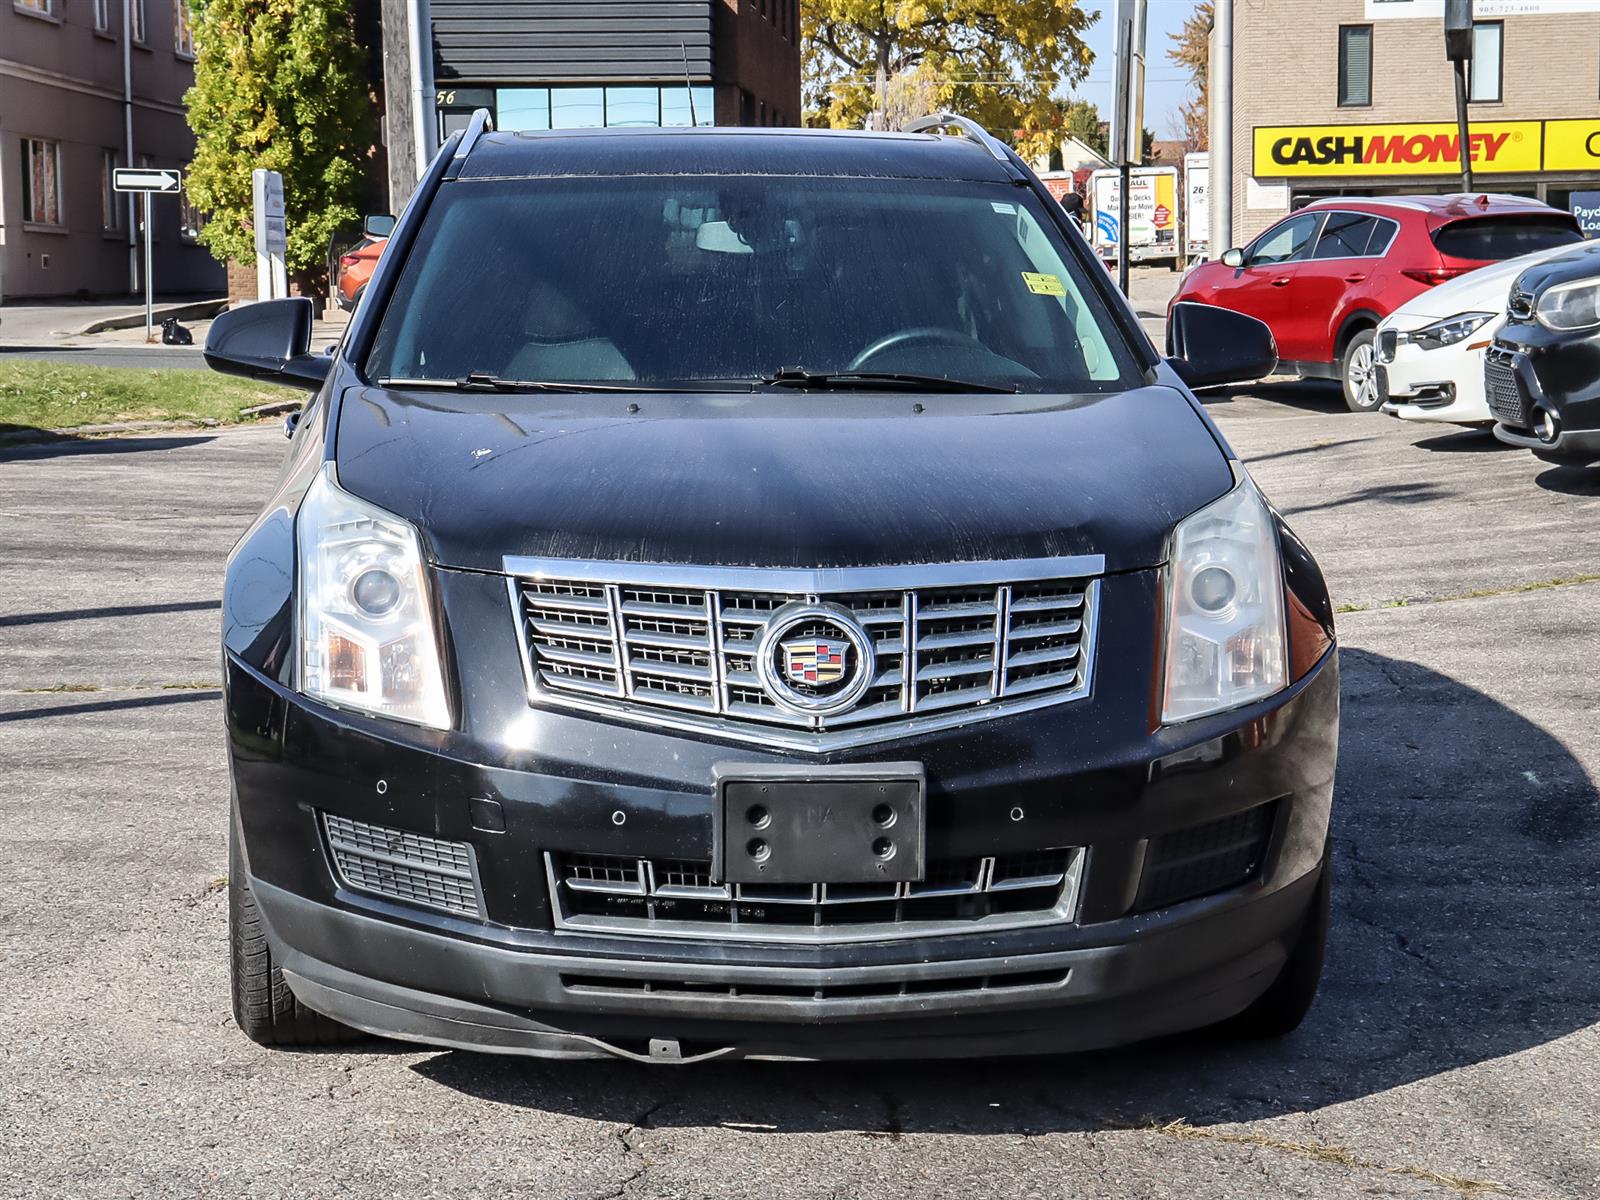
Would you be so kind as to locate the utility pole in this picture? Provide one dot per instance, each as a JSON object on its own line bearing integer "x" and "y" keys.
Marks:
{"x": 1127, "y": 118}
{"x": 1458, "y": 49}
{"x": 1220, "y": 99}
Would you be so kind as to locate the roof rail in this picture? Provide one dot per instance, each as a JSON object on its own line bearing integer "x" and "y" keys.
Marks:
{"x": 480, "y": 123}
{"x": 950, "y": 120}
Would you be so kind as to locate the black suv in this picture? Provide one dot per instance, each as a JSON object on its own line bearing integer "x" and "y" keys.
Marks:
{"x": 759, "y": 593}
{"x": 1542, "y": 373}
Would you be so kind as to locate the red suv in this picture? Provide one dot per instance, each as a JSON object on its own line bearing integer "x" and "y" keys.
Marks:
{"x": 1323, "y": 277}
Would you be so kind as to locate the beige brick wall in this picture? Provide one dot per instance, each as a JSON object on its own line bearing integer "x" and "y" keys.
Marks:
{"x": 1286, "y": 64}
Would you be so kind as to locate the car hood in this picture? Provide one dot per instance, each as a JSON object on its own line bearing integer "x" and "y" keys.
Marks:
{"x": 790, "y": 479}
{"x": 1482, "y": 290}
{"x": 1581, "y": 261}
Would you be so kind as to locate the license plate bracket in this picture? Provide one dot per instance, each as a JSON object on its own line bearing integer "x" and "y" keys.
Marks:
{"x": 793, "y": 823}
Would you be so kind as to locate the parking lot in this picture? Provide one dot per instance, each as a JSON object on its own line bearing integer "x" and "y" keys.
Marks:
{"x": 1455, "y": 1050}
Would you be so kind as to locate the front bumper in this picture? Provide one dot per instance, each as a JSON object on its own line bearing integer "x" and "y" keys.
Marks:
{"x": 1444, "y": 385}
{"x": 512, "y": 981}
{"x": 1544, "y": 372}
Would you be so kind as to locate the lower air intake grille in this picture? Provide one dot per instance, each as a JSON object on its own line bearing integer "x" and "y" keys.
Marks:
{"x": 404, "y": 866}
{"x": 1205, "y": 858}
{"x": 1503, "y": 390}
{"x": 676, "y": 898}
{"x": 611, "y": 985}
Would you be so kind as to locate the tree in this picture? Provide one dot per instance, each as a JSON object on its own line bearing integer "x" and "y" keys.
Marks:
{"x": 1081, "y": 119}
{"x": 997, "y": 61}
{"x": 1191, "y": 49}
{"x": 279, "y": 84}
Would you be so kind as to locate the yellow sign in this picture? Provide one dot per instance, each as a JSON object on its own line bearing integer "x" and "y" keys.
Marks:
{"x": 1043, "y": 285}
{"x": 1310, "y": 151}
{"x": 1572, "y": 145}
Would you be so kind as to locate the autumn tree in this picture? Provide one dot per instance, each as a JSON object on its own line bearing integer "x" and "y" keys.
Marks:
{"x": 1191, "y": 49}
{"x": 997, "y": 61}
{"x": 281, "y": 85}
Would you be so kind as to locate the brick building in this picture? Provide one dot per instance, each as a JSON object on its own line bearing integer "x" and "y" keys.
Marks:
{"x": 79, "y": 97}
{"x": 1355, "y": 97}
{"x": 543, "y": 64}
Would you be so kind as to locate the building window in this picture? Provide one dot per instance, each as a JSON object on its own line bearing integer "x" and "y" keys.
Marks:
{"x": 110, "y": 200}
{"x": 1488, "y": 49}
{"x": 41, "y": 182}
{"x": 182, "y": 31}
{"x": 1355, "y": 66}
{"x": 137, "y": 9}
{"x": 519, "y": 110}
{"x": 102, "y": 16}
{"x": 45, "y": 8}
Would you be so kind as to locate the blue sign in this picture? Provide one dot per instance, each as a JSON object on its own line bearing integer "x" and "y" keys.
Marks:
{"x": 1586, "y": 207}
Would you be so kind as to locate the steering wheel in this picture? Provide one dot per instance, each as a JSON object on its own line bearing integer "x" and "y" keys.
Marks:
{"x": 934, "y": 334}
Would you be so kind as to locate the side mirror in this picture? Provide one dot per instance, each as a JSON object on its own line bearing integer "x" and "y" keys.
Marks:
{"x": 267, "y": 341}
{"x": 1208, "y": 346}
{"x": 377, "y": 225}
{"x": 1233, "y": 258}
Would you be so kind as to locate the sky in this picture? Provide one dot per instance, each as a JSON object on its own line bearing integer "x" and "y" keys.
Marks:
{"x": 1165, "y": 83}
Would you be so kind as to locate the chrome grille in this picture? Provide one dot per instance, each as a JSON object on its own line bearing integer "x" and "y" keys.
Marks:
{"x": 666, "y": 897}
{"x": 1503, "y": 390}
{"x": 409, "y": 867}
{"x": 678, "y": 646}
{"x": 668, "y": 987}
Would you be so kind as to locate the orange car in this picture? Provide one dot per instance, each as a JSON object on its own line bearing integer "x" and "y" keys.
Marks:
{"x": 355, "y": 269}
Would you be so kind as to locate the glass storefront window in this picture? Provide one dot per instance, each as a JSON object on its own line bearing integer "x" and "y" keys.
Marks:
{"x": 633, "y": 106}
{"x": 675, "y": 106}
{"x": 517, "y": 109}
{"x": 577, "y": 108}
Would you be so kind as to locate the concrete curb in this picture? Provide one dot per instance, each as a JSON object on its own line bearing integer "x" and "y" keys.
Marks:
{"x": 74, "y": 431}
{"x": 198, "y": 310}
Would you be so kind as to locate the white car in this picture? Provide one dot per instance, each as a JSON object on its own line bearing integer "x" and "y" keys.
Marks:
{"x": 1430, "y": 349}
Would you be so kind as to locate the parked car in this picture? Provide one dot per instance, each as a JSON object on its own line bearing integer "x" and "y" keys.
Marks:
{"x": 1430, "y": 350}
{"x": 760, "y": 593}
{"x": 355, "y": 271}
{"x": 1324, "y": 277}
{"x": 1542, "y": 374}
{"x": 357, "y": 263}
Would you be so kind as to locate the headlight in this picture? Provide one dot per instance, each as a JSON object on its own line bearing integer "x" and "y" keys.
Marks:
{"x": 1570, "y": 306}
{"x": 1225, "y": 631}
{"x": 366, "y": 628}
{"x": 1448, "y": 331}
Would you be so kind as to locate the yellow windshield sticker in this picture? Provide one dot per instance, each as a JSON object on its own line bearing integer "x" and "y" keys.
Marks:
{"x": 1043, "y": 285}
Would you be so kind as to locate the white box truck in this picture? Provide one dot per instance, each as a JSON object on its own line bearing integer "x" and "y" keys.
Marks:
{"x": 1153, "y": 215}
{"x": 1197, "y": 206}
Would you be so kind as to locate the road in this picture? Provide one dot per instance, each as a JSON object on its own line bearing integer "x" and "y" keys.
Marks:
{"x": 1454, "y": 1052}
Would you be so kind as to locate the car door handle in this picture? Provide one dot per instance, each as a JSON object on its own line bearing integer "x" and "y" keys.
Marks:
{"x": 1280, "y": 282}
{"x": 1355, "y": 278}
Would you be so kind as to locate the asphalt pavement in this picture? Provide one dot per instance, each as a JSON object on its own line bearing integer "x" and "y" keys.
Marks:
{"x": 1454, "y": 1052}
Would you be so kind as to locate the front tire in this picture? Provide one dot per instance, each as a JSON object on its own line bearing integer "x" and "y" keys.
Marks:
{"x": 1280, "y": 1009}
{"x": 1358, "y": 371}
{"x": 266, "y": 1011}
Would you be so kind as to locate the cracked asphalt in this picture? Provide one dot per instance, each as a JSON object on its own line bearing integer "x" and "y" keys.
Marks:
{"x": 1454, "y": 1052}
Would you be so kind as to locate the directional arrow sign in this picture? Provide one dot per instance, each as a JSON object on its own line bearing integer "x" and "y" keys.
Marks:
{"x": 145, "y": 179}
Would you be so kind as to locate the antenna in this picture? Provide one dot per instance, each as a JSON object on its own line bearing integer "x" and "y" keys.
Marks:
{"x": 687, "y": 87}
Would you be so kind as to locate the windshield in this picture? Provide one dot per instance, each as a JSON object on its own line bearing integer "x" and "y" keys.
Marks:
{"x": 691, "y": 279}
{"x": 1492, "y": 239}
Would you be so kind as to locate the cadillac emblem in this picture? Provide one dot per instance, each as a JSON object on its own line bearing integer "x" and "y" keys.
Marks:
{"x": 814, "y": 659}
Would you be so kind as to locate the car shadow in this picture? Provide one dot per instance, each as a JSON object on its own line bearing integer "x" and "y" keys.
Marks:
{"x": 1321, "y": 396}
{"x": 1464, "y": 842}
{"x": 1464, "y": 441}
{"x": 1381, "y": 493}
{"x": 1570, "y": 481}
{"x": 19, "y": 442}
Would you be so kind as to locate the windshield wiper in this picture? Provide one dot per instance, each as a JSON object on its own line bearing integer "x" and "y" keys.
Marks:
{"x": 482, "y": 381}
{"x": 799, "y": 377}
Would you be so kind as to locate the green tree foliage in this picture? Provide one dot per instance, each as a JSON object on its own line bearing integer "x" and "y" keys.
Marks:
{"x": 281, "y": 85}
{"x": 997, "y": 61}
{"x": 1081, "y": 119}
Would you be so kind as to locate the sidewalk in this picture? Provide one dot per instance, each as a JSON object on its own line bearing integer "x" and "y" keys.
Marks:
{"x": 63, "y": 325}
